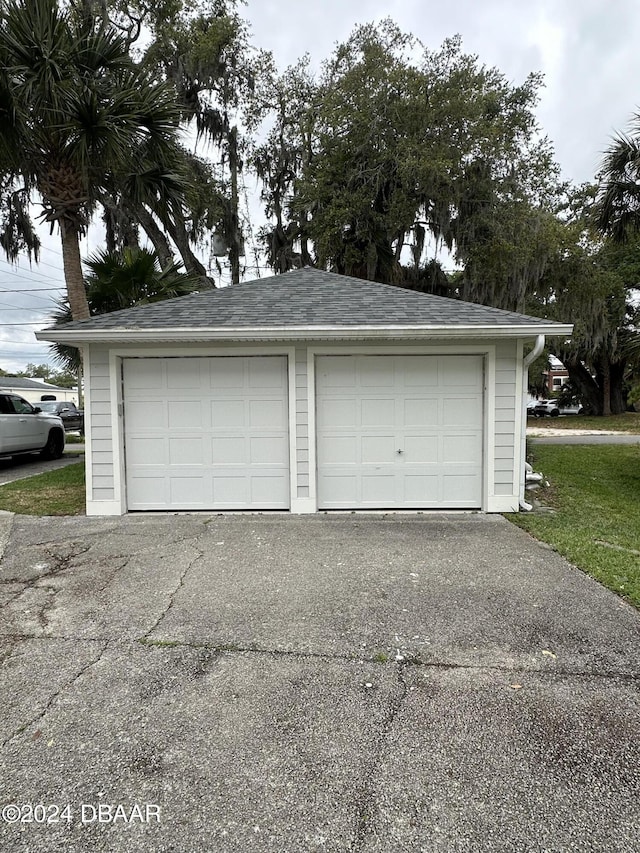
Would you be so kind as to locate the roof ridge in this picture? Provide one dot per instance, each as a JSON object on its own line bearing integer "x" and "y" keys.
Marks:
{"x": 307, "y": 297}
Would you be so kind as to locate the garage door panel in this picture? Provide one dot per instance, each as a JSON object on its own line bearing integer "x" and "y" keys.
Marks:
{"x": 380, "y": 374}
{"x": 228, "y": 414}
{"x": 456, "y": 487}
{"x": 267, "y": 414}
{"x": 421, "y": 412}
{"x": 421, "y": 449}
{"x": 144, "y": 377}
{"x": 377, "y": 449}
{"x": 337, "y": 413}
{"x": 377, "y": 412}
{"x": 185, "y": 415}
{"x": 196, "y": 430}
{"x": 226, "y": 373}
{"x": 228, "y": 450}
{"x": 230, "y": 491}
{"x": 183, "y": 374}
{"x": 150, "y": 414}
{"x": 336, "y": 372}
{"x": 263, "y": 374}
{"x": 268, "y": 451}
{"x": 430, "y": 408}
{"x": 265, "y": 489}
{"x": 149, "y": 489}
{"x": 343, "y": 489}
{"x": 416, "y": 486}
{"x": 376, "y": 488}
{"x": 415, "y": 377}
{"x": 185, "y": 451}
{"x": 146, "y": 451}
{"x": 342, "y": 449}
{"x": 460, "y": 371}
{"x": 461, "y": 411}
{"x": 187, "y": 491}
{"x": 460, "y": 449}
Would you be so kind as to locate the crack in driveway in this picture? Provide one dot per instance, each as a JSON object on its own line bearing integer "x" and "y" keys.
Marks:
{"x": 54, "y": 696}
{"x": 172, "y": 595}
{"x": 364, "y": 800}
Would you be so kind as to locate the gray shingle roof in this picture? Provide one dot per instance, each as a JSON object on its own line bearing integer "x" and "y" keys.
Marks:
{"x": 306, "y": 297}
{"x": 11, "y": 382}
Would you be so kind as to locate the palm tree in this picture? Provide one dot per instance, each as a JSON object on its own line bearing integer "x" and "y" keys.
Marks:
{"x": 78, "y": 118}
{"x": 617, "y": 208}
{"x": 121, "y": 280}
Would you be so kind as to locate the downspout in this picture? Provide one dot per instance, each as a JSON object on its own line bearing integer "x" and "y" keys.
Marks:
{"x": 528, "y": 359}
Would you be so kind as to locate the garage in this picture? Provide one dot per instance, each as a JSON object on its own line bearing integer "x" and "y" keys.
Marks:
{"x": 306, "y": 391}
{"x": 403, "y": 431}
{"x": 206, "y": 433}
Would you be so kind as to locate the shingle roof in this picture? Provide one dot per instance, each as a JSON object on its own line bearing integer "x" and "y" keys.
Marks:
{"x": 9, "y": 382}
{"x": 300, "y": 298}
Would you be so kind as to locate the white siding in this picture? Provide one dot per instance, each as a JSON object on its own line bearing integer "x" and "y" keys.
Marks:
{"x": 100, "y": 486}
{"x": 302, "y": 423}
{"x": 506, "y": 395}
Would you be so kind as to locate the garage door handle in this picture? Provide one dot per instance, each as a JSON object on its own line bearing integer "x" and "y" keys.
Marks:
{"x": 400, "y": 452}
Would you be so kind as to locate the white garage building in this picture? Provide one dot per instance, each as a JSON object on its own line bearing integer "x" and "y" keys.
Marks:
{"x": 305, "y": 392}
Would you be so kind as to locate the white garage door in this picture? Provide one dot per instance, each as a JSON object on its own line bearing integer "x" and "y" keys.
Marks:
{"x": 206, "y": 433}
{"x": 399, "y": 431}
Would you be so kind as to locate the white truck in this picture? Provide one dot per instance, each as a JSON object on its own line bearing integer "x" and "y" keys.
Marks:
{"x": 26, "y": 429}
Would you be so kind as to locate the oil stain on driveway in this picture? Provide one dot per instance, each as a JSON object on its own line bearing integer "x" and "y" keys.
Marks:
{"x": 347, "y": 683}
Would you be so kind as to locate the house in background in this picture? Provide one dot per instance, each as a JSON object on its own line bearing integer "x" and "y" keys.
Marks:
{"x": 306, "y": 392}
{"x": 35, "y": 390}
{"x": 556, "y": 376}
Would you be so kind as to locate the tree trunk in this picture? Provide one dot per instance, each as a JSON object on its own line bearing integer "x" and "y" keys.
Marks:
{"x": 235, "y": 237}
{"x": 586, "y": 386}
{"x": 606, "y": 387}
{"x": 72, "y": 264}
{"x": 618, "y": 398}
{"x": 178, "y": 234}
{"x": 156, "y": 235}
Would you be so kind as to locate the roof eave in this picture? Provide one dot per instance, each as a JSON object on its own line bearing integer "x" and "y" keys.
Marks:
{"x": 291, "y": 333}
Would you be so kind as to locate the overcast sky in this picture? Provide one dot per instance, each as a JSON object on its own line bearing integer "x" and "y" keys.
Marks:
{"x": 588, "y": 51}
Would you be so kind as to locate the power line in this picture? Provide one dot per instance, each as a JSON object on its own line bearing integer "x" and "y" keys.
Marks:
{"x": 9, "y": 269}
{"x": 29, "y": 289}
{"x": 38, "y": 264}
{"x": 21, "y": 344}
{"x": 7, "y": 307}
{"x": 48, "y": 299}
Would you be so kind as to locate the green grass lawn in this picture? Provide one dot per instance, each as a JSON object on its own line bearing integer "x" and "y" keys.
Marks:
{"x": 595, "y": 491}
{"x": 627, "y": 422}
{"x": 59, "y": 492}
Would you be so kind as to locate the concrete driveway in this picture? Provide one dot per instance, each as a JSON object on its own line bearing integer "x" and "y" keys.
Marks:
{"x": 346, "y": 683}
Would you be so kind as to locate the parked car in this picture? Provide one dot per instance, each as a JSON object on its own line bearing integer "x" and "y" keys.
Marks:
{"x": 26, "y": 429}
{"x": 571, "y": 409}
{"x": 553, "y": 408}
{"x": 546, "y": 407}
{"x": 72, "y": 417}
